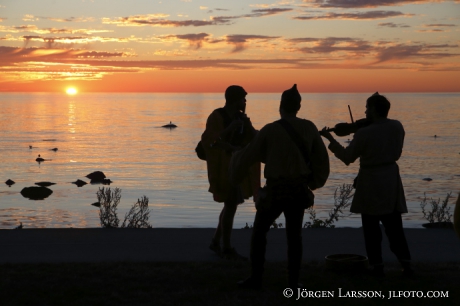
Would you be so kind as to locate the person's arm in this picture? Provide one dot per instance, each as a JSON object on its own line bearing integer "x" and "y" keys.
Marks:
{"x": 214, "y": 128}
{"x": 216, "y": 135}
{"x": 246, "y": 157}
{"x": 319, "y": 162}
{"x": 347, "y": 155}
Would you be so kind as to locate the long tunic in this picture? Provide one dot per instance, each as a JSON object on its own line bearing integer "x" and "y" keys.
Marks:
{"x": 379, "y": 189}
{"x": 283, "y": 159}
{"x": 218, "y": 160}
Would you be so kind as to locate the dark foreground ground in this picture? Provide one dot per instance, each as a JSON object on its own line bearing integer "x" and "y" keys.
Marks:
{"x": 175, "y": 267}
{"x": 191, "y": 245}
{"x": 214, "y": 283}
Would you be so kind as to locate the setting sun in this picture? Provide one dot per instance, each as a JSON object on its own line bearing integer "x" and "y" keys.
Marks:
{"x": 71, "y": 91}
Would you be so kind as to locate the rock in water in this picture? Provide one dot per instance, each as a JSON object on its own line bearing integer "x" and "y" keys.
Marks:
{"x": 39, "y": 159}
{"x": 36, "y": 193}
{"x": 170, "y": 125}
{"x": 10, "y": 182}
{"x": 44, "y": 184}
{"x": 96, "y": 176}
{"x": 107, "y": 181}
{"x": 79, "y": 183}
{"x": 427, "y": 179}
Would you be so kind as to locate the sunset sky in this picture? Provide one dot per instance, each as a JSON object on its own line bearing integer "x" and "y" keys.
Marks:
{"x": 204, "y": 46}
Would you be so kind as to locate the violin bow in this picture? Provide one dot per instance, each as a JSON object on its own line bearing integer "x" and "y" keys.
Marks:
{"x": 351, "y": 116}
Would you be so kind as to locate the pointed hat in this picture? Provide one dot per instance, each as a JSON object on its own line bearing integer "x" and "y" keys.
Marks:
{"x": 290, "y": 99}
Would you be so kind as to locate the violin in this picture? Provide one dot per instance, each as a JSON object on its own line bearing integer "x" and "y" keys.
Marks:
{"x": 345, "y": 129}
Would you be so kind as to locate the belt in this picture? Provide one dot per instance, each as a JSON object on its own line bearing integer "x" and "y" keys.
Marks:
{"x": 365, "y": 167}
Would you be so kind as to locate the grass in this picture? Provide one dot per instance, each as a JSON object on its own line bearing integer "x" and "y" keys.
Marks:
{"x": 211, "y": 283}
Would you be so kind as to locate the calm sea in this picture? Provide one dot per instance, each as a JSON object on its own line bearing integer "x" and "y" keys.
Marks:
{"x": 121, "y": 135}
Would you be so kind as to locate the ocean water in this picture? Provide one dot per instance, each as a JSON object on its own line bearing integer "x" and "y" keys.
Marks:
{"x": 121, "y": 135}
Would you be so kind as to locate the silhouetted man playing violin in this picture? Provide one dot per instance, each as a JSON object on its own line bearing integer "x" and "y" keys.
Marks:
{"x": 379, "y": 195}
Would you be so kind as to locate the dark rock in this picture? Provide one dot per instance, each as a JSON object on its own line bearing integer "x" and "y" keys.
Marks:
{"x": 103, "y": 182}
{"x": 44, "y": 184}
{"x": 36, "y": 193}
{"x": 96, "y": 176}
{"x": 170, "y": 125}
{"x": 54, "y": 149}
{"x": 427, "y": 179}
{"x": 97, "y": 204}
{"x": 39, "y": 159}
{"x": 10, "y": 182}
{"x": 79, "y": 183}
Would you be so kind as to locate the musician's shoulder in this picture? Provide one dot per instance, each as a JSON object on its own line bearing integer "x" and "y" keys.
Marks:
{"x": 307, "y": 123}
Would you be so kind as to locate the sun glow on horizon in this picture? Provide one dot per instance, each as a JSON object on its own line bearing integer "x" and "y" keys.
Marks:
{"x": 71, "y": 91}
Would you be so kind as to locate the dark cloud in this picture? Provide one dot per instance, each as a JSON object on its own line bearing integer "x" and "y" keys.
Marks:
{"x": 195, "y": 40}
{"x": 333, "y": 44}
{"x": 255, "y": 13}
{"x": 25, "y": 28}
{"x": 49, "y": 41}
{"x": 239, "y": 40}
{"x": 439, "y": 25}
{"x": 381, "y": 51}
{"x": 145, "y": 20}
{"x": 398, "y": 52}
{"x": 59, "y": 19}
{"x": 99, "y": 54}
{"x": 58, "y": 31}
{"x": 141, "y": 20}
{"x": 393, "y": 25}
{"x": 431, "y": 31}
{"x": 356, "y": 16}
{"x": 268, "y": 12}
{"x": 70, "y": 19}
{"x": 15, "y": 55}
{"x": 28, "y": 38}
{"x": 363, "y": 3}
{"x": 401, "y": 51}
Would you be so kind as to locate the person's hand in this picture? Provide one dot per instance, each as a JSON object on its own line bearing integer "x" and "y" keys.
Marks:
{"x": 326, "y": 134}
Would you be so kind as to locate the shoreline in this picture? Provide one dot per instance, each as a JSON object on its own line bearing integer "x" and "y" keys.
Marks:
{"x": 191, "y": 244}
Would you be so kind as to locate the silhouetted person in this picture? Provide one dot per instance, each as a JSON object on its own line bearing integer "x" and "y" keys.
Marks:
{"x": 228, "y": 129}
{"x": 290, "y": 177}
{"x": 457, "y": 216}
{"x": 379, "y": 195}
